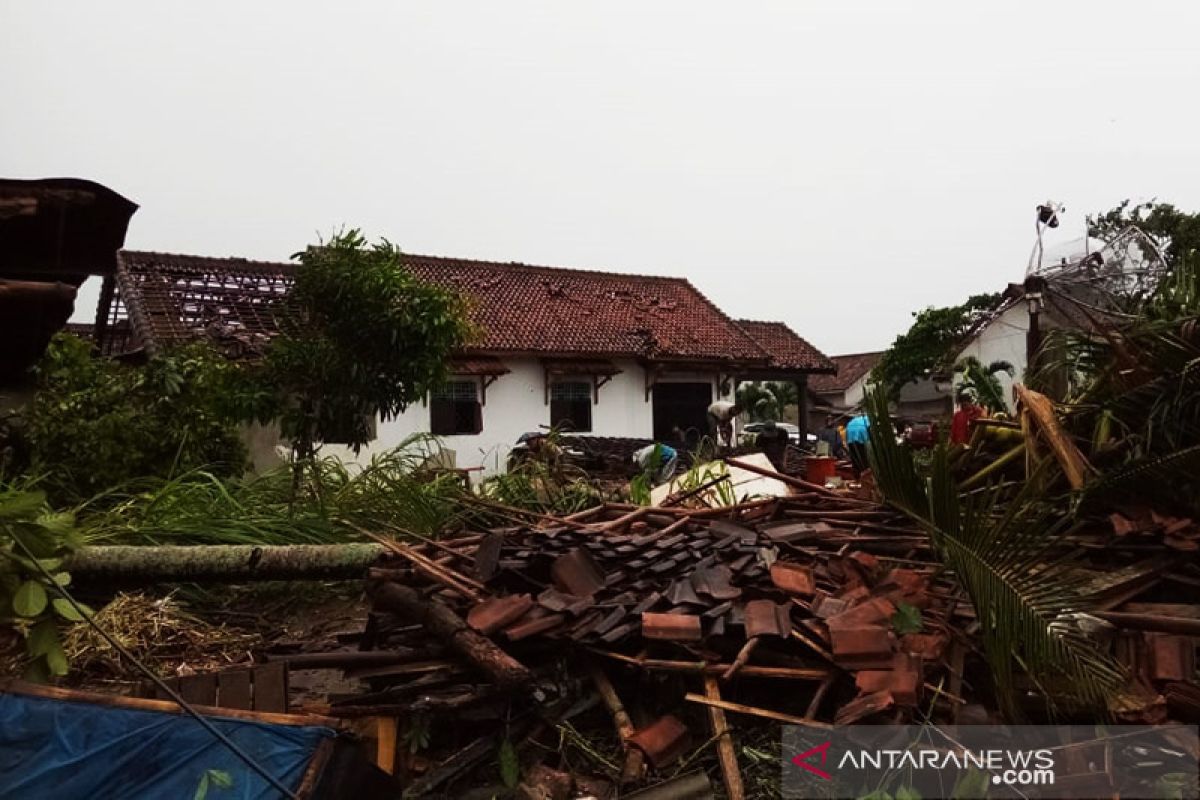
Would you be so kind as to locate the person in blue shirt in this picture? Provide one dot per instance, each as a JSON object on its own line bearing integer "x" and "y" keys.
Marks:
{"x": 857, "y": 440}
{"x": 658, "y": 458}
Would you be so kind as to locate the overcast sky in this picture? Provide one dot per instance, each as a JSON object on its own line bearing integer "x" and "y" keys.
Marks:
{"x": 834, "y": 165}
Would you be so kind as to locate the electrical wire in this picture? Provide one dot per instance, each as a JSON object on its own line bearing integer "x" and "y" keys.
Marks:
{"x": 162, "y": 685}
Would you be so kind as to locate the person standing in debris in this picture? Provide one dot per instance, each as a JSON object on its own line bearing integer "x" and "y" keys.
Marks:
{"x": 857, "y": 439}
{"x": 968, "y": 412}
{"x": 721, "y": 415}
{"x": 832, "y": 436}
{"x": 658, "y": 458}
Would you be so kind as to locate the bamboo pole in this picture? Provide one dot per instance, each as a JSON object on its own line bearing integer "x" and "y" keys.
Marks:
{"x": 634, "y": 765}
{"x": 754, "y": 711}
{"x": 726, "y": 754}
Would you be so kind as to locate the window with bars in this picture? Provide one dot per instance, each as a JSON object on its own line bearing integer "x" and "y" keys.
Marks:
{"x": 455, "y": 410}
{"x": 571, "y": 405}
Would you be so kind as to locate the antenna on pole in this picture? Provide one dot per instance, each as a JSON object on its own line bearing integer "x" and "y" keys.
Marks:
{"x": 1047, "y": 217}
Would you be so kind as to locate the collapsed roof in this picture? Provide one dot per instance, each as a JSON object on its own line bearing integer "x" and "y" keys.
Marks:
{"x": 520, "y": 309}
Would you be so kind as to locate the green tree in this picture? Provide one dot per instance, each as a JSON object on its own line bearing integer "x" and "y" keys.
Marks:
{"x": 1175, "y": 233}
{"x": 929, "y": 345}
{"x": 95, "y": 423}
{"x": 365, "y": 338}
{"x": 759, "y": 401}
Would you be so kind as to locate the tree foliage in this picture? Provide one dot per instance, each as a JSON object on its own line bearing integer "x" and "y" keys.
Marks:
{"x": 766, "y": 400}
{"x": 1176, "y": 233}
{"x": 929, "y": 345}
{"x": 95, "y": 423}
{"x": 367, "y": 338}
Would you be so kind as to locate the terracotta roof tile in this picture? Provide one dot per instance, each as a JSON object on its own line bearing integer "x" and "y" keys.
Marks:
{"x": 525, "y": 308}
{"x": 786, "y": 349}
{"x": 520, "y": 308}
{"x": 849, "y": 369}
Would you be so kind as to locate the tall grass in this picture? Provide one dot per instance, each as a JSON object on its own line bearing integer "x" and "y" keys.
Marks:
{"x": 392, "y": 491}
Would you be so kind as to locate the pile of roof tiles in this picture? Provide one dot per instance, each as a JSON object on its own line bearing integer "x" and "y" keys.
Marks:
{"x": 820, "y": 585}
{"x": 814, "y": 609}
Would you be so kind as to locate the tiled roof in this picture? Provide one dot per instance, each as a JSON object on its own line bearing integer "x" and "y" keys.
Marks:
{"x": 519, "y": 308}
{"x": 174, "y": 298}
{"x": 524, "y": 308}
{"x": 849, "y": 369}
{"x": 787, "y": 350}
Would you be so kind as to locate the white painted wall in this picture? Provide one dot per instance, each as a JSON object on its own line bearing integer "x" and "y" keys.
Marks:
{"x": 516, "y": 404}
{"x": 1003, "y": 340}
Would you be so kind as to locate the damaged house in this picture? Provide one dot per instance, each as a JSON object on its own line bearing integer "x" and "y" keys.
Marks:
{"x": 592, "y": 352}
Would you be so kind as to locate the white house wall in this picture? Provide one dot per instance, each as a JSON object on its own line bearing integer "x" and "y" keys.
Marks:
{"x": 516, "y": 404}
{"x": 1003, "y": 340}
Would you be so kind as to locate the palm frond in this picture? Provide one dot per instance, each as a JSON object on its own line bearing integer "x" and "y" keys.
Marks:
{"x": 1002, "y": 549}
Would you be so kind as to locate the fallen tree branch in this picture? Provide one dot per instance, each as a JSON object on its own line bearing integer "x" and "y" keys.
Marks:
{"x": 439, "y": 620}
{"x": 221, "y": 563}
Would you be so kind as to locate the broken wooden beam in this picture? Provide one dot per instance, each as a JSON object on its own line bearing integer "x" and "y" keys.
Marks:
{"x": 441, "y": 621}
{"x": 726, "y": 753}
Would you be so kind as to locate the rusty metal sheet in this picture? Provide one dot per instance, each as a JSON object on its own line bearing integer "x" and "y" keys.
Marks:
{"x": 577, "y": 573}
{"x": 714, "y": 582}
{"x": 671, "y": 627}
{"x": 491, "y": 615}
{"x": 663, "y": 741}
{"x": 766, "y": 618}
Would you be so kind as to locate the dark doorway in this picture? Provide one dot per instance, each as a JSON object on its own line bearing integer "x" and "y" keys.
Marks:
{"x": 684, "y": 405}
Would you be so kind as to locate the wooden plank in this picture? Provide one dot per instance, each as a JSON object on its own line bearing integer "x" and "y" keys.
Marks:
{"x": 233, "y": 689}
{"x": 199, "y": 690}
{"x": 385, "y": 744}
{"x": 270, "y": 688}
{"x": 159, "y": 694}
{"x": 163, "y": 706}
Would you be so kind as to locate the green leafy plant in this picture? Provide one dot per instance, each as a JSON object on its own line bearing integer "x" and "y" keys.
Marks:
{"x": 1004, "y": 549}
{"x": 218, "y": 778}
{"x": 417, "y": 732}
{"x": 981, "y": 382}
{"x": 33, "y": 542}
{"x": 907, "y": 619}
{"x": 510, "y": 765}
{"x": 391, "y": 493}
{"x": 95, "y": 423}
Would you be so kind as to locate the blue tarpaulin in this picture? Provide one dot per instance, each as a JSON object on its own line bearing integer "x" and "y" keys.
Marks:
{"x": 62, "y": 750}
